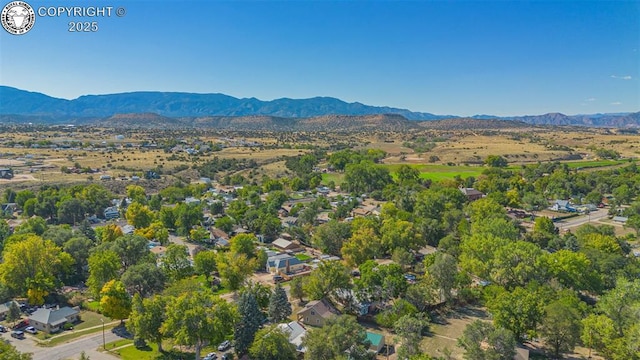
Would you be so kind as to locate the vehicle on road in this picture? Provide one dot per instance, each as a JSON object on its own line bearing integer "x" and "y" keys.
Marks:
{"x": 224, "y": 345}
{"x": 3, "y": 329}
{"x": 21, "y": 325}
{"x": 31, "y": 330}
{"x": 210, "y": 356}
{"x": 17, "y": 334}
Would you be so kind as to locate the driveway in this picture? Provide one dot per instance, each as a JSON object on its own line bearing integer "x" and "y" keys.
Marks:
{"x": 70, "y": 350}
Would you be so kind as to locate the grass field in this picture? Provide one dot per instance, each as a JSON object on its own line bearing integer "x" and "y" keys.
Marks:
{"x": 593, "y": 163}
{"x": 151, "y": 353}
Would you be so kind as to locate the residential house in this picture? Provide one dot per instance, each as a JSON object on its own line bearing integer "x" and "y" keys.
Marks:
{"x": 620, "y": 219}
{"x": 296, "y": 332}
{"x": 111, "y": 213}
{"x": 289, "y": 221}
{"x": 128, "y": 229}
{"x": 284, "y": 263}
{"x": 562, "y": 205}
{"x": 52, "y": 320}
{"x": 472, "y": 194}
{"x": 6, "y": 173}
{"x": 217, "y": 235}
{"x": 4, "y": 309}
{"x": 8, "y": 209}
{"x": 316, "y": 313}
{"x": 285, "y": 245}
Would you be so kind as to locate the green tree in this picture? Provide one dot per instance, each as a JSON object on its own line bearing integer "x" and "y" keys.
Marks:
{"x": 400, "y": 233}
{"x": 573, "y": 270}
{"x": 326, "y": 279}
{"x": 331, "y": 341}
{"x": 110, "y": 232}
{"x": 444, "y": 271}
{"x": 225, "y": 224}
{"x": 409, "y": 328}
{"x": 244, "y": 244}
{"x": 71, "y": 211}
{"x": 204, "y": 263}
{"x": 131, "y": 249}
{"x": 9, "y": 352}
{"x": 329, "y": 237}
{"x": 363, "y": 245}
{"x": 14, "y": 312}
{"x": 175, "y": 262}
{"x": 560, "y": 328}
{"x": 279, "y": 305}
{"x": 103, "y": 267}
{"x": 297, "y": 288}
{"x": 516, "y": 264}
{"x": 138, "y": 215}
{"x": 115, "y": 302}
{"x": 78, "y": 247}
{"x": 143, "y": 279}
{"x": 234, "y": 269}
{"x": 407, "y": 175}
{"x": 272, "y": 343}
{"x": 495, "y": 161}
{"x": 197, "y": 319}
{"x": 519, "y": 311}
{"x": 5, "y": 231}
{"x": 481, "y": 341}
{"x": 249, "y": 321}
{"x": 622, "y": 304}
{"x": 137, "y": 194}
{"x": 147, "y": 317}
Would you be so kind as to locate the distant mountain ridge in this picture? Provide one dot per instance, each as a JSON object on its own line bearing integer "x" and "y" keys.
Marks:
{"x": 219, "y": 110}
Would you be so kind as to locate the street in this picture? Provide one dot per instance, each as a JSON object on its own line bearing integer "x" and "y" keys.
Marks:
{"x": 594, "y": 216}
{"x": 70, "y": 350}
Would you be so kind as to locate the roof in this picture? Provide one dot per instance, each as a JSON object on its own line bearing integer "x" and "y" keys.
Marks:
{"x": 470, "y": 191}
{"x": 5, "y": 307}
{"x": 321, "y": 307}
{"x": 296, "y": 332}
{"x": 219, "y": 233}
{"x": 620, "y": 218}
{"x": 375, "y": 339}
{"x": 53, "y": 316}
{"x": 282, "y": 243}
{"x": 281, "y": 261}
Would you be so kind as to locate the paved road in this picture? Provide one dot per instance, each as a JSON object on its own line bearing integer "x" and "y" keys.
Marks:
{"x": 594, "y": 216}
{"x": 65, "y": 351}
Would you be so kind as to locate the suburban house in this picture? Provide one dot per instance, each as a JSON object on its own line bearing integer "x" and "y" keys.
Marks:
{"x": 562, "y": 205}
{"x": 472, "y": 194}
{"x": 8, "y": 209}
{"x": 285, "y": 245}
{"x": 376, "y": 341}
{"x": 620, "y": 219}
{"x": 217, "y": 234}
{"x": 6, "y": 173}
{"x": 4, "y": 309}
{"x": 289, "y": 221}
{"x": 284, "y": 263}
{"x": 52, "y": 320}
{"x": 296, "y": 332}
{"x": 317, "y": 313}
{"x": 111, "y": 213}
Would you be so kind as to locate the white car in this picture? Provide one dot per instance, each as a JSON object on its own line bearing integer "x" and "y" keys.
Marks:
{"x": 224, "y": 346}
{"x": 31, "y": 330}
{"x": 210, "y": 356}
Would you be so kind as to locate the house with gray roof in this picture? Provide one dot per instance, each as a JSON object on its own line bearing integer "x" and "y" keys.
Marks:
{"x": 4, "y": 309}
{"x": 284, "y": 263}
{"x": 52, "y": 320}
{"x": 296, "y": 333}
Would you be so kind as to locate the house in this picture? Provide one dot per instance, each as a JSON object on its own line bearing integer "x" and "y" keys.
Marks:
{"x": 218, "y": 234}
{"x": 289, "y": 221}
{"x": 4, "y": 309}
{"x": 376, "y": 341}
{"x": 317, "y": 313}
{"x": 296, "y": 332}
{"x": 128, "y": 229}
{"x": 620, "y": 219}
{"x": 6, "y": 173}
{"x": 158, "y": 251}
{"x": 562, "y": 205}
{"x": 472, "y": 194}
{"x": 111, "y": 213}
{"x": 285, "y": 245}
{"x": 105, "y": 177}
{"x": 8, "y": 209}
{"x": 284, "y": 263}
{"x": 52, "y": 320}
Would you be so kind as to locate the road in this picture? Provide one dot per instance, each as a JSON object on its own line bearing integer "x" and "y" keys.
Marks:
{"x": 594, "y": 216}
{"x": 70, "y": 350}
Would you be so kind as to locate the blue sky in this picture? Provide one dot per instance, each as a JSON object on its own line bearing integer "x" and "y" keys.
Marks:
{"x": 462, "y": 58}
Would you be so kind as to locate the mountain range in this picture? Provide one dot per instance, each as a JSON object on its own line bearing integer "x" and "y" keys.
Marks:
{"x": 219, "y": 110}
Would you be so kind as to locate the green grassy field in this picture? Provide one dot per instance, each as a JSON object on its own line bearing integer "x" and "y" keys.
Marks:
{"x": 151, "y": 353}
{"x": 593, "y": 163}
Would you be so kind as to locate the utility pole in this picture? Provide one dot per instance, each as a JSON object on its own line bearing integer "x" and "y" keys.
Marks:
{"x": 104, "y": 344}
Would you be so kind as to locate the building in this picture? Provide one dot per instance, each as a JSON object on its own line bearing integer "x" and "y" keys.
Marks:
{"x": 4, "y": 309}
{"x": 111, "y": 213}
{"x": 53, "y": 320}
{"x": 296, "y": 332}
{"x": 316, "y": 313}
{"x": 6, "y": 173}
{"x": 562, "y": 205}
{"x": 285, "y": 245}
{"x": 472, "y": 194}
{"x": 284, "y": 263}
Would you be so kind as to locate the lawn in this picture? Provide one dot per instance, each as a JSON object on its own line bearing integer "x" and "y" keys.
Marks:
{"x": 303, "y": 257}
{"x": 593, "y": 163}
{"x": 74, "y": 334}
{"x": 88, "y": 319}
{"x": 118, "y": 343}
{"x": 151, "y": 353}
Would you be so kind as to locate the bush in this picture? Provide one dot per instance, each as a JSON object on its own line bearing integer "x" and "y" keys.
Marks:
{"x": 139, "y": 343}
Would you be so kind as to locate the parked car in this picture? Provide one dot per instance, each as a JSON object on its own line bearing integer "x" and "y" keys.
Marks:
{"x": 224, "y": 345}
{"x": 17, "y": 334}
{"x": 210, "y": 356}
{"x": 3, "y": 329}
{"x": 21, "y": 325}
{"x": 31, "y": 330}
{"x": 277, "y": 278}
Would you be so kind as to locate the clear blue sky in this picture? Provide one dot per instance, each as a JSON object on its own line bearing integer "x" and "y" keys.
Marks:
{"x": 462, "y": 58}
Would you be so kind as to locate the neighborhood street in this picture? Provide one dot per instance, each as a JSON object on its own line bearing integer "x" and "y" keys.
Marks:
{"x": 594, "y": 216}
{"x": 70, "y": 350}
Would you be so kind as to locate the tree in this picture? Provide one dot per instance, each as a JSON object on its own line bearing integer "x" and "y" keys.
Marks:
{"x": 495, "y": 161}
{"x": 197, "y": 319}
{"x": 78, "y": 247}
{"x": 409, "y": 328}
{"x": 244, "y": 244}
{"x": 516, "y": 264}
{"x": 400, "y": 233}
{"x": 365, "y": 177}
{"x": 279, "y": 305}
{"x": 329, "y": 237}
{"x": 560, "y": 328}
{"x": 443, "y": 272}
{"x": 131, "y": 249}
{"x": 115, "y": 302}
{"x": 572, "y": 270}
{"x": 5, "y": 231}
{"x": 296, "y": 288}
{"x": 111, "y": 232}
{"x": 147, "y": 316}
{"x": 138, "y": 215}
{"x": 249, "y": 321}
{"x": 137, "y": 194}
{"x": 363, "y": 245}
{"x": 14, "y": 312}
{"x": 234, "y": 269}
{"x": 175, "y": 262}
{"x": 272, "y": 343}
{"x": 622, "y": 304}
{"x": 331, "y": 341}
{"x": 71, "y": 211}
{"x": 103, "y": 267}
{"x": 33, "y": 264}
{"x": 204, "y": 263}
{"x": 519, "y": 311}
{"x": 481, "y": 340}
{"x": 380, "y": 282}
{"x": 225, "y": 224}
{"x": 407, "y": 175}
{"x": 9, "y": 352}
{"x": 327, "y": 278}
{"x": 143, "y": 279}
